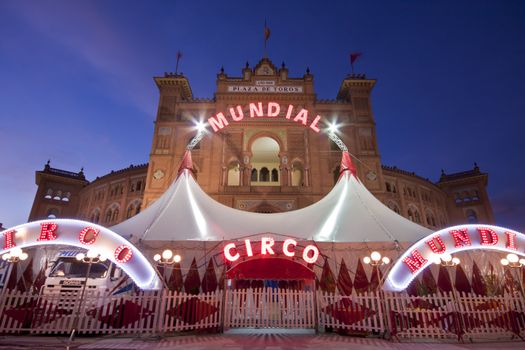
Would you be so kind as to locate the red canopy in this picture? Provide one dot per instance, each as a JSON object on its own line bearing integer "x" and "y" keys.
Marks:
{"x": 270, "y": 269}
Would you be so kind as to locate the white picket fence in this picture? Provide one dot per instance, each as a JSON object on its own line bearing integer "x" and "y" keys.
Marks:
{"x": 269, "y": 308}
{"x": 152, "y": 312}
{"x": 458, "y": 317}
{"x": 357, "y": 313}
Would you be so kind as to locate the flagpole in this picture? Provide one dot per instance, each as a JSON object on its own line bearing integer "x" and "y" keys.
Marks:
{"x": 177, "y": 64}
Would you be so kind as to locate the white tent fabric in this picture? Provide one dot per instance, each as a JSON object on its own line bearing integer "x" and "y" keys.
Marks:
{"x": 348, "y": 213}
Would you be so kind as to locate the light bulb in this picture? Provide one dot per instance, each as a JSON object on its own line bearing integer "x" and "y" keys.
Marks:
{"x": 16, "y": 252}
{"x": 23, "y": 256}
{"x": 376, "y": 256}
{"x": 522, "y": 261}
{"x": 103, "y": 258}
{"x": 177, "y": 258}
{"x": 513, "y": 258}
{"x": 446, "y": 257}
{"x": 455, "y": 261}
{"x": 504, "y": 262}
{"x": 436, "y": 260}
{"x": 6, "y": 256}
{"x": 91, "y": 254}
{"x": 167, "y": 254}
{"x": 386, "y": 260}
{"x": 156, "y": 257}
{"x": 366, "y": 260}
{"x": 80, "y": 256}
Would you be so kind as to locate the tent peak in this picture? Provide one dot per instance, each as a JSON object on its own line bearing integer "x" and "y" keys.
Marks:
{"x": 186, "y": 163}
{"x": 347, "y": 165}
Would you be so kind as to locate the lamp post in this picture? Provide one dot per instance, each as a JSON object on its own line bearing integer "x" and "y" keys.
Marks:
{"x": 164, "y": 259}
{"x": 90, "y": 258}
{"x": 376, "y": 260}
{"x": 450, "y": 262}
{"x": 514, "y": 262}
{"x": 13, "y": 256}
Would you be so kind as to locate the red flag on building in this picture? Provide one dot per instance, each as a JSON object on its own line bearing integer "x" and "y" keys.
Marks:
{"x": 266, "y": 32}
{"x": 353, "y": 57}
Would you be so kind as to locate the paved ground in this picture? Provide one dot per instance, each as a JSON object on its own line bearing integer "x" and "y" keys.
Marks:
{"x": 239, "y": 342}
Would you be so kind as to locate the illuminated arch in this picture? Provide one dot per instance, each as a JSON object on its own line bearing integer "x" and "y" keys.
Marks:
{"x": 68, "y": 232}
{"x": 455, "y": 239}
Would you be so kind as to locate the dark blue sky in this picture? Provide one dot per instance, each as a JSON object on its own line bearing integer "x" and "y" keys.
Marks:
{"x": 76, "y": 80}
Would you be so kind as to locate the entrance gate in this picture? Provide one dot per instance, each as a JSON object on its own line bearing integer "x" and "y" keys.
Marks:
{"x": 269, "y": 308}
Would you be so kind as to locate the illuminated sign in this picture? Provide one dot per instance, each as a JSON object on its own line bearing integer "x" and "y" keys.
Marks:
{"x": 267, "y": 247}
{"x": 268, "y": 110}
{"x": 451, "y": 240}
{"x": 266, "y": 87}
{"x": 84, "y": 235}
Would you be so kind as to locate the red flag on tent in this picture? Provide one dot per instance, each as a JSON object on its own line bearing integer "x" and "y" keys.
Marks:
{"x": 444, "y": 283}
{"x": 478, "y": 282}
{"x": 509, "y": 282}
{"x": 462, "y": 284}
{"x": 428, "y": 281}
{"x": 327, "y": 282}
{"x": 192, "y": 283}
{"x": 175, "y": 281}
{"x": 209, "y": 280}
{"x": 361, "y": 283}
{"x": 13, "y": 277}
{"x": 375, "y": 278}
{"x": 40, "y": 278}
{"x": 344, "y": 281}
{"x": 25, "y": 282}
{"x": 413, "y": 287}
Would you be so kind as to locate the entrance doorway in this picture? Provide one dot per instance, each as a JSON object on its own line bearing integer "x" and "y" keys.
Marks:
{"x": 270, "y": 293}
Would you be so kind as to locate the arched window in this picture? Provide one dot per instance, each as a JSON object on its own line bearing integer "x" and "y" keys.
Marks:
{"x": 115, "y": 215}
{"x": 297, "y": 174}
{"x": 52, "y": 213}
{"x": 109, "y": 215}
{"x": 234, "y": 174}
{"x": 49, "y": 193}
{"x": 66, "y": 197}
{"x": 254, "y": 176}
{"x": 394, "y": 189}
{"x": 138, "y": 208}
{"x": 129, "y": 212}
{"x": 275, "y": 175}
{"x": 417, "y": 217}
{"x": 139, "y": 186}
{"x": 388, "y": 189}
{"x": 264, "y": 175}
{"x": 430, "y": 218}
{"x": 265, "y": 156}
{"x": 472, "y": 217}
{"x": 95, "y": 217}
{"x": 393, "y": 206}
{"x": 58, "y": 195}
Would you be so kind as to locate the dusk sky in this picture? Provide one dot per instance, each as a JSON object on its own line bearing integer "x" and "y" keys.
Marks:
{"x": 76, "y": 81}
